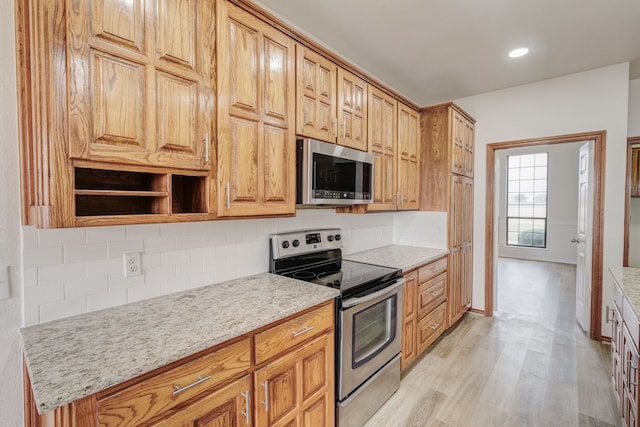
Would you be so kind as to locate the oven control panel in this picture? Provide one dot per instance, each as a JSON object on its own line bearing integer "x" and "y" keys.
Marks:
{"x": 302, "y": 242}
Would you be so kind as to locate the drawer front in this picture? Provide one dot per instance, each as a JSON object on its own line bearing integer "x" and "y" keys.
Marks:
{"x": 292, "y": 332}
{"x": 431, "y": 294}
{"x": 142, "y": 401}
{"x": 432, "y": 269}
{"x": 431, "y": 327}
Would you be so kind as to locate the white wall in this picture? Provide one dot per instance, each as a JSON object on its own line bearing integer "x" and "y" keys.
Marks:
{"x": 73, "y": 271}
{"x": 582, "y": 102}
{"x": 634, "y": 108}
{"x": 10, "y": 252}
{"x": 562, "y": 204}
{"x": 634, "y": 205}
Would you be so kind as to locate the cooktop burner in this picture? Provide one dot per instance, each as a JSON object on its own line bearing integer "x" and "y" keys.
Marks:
{"x": 344, "y": 275}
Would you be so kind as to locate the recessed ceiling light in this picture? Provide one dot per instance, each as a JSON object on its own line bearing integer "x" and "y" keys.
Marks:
{"x": 516, "y": 53}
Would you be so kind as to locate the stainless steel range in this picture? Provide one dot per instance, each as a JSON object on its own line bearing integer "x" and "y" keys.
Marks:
{"x": 369, "y": 313}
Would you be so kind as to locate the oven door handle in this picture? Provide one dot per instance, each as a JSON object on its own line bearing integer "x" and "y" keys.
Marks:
{"x": 388, "y": 290}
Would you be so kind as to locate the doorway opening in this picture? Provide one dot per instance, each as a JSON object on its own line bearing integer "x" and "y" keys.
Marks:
{"x": 599, "y": 142}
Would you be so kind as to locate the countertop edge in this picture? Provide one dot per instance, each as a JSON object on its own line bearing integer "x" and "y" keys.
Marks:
{"x": 48, "y": 399}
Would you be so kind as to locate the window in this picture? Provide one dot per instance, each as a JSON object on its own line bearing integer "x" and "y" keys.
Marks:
{"x": 527, "y": 200}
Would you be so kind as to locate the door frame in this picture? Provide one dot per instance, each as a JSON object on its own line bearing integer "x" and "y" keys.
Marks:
{"x": 599, "y": 146}
{"x": 627, "y": 199}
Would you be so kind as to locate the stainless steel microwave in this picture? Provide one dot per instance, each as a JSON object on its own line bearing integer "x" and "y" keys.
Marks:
{"x": 330, "y": 174}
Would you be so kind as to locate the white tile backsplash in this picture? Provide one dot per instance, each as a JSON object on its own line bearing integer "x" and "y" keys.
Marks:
{"x": 180, "y": 256}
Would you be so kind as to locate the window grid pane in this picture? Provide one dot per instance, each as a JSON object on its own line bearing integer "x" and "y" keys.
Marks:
{"x": 527, "y": 200}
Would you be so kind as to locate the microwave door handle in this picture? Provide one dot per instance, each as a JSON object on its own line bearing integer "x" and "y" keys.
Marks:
{"x": 355, "y": 301}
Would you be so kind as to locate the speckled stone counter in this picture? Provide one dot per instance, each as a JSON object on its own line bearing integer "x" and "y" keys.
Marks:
{"x": 629, "y": 281}
{"x": 399, "y": 256}
{"x": 75, "y": 357}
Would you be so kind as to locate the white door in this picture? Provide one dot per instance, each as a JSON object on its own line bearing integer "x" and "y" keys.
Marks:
{"x": 583, "y": 237}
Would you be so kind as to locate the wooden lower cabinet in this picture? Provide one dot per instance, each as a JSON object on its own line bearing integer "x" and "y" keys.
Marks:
{"x": 291, "y": 385}
{"x": 297, "y": 389}
{"x": 425, "y": 309}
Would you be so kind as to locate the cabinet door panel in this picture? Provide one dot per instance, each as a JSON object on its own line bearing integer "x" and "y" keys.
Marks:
{"x": 120, "y": 23}
{"x": 276, "y": 82}
{"x": 352, "y": 111}
{"x": 382, "y": 131}
{"x": 316, "y": 414}
{"x": 316, "y": 95}
{"x": 408, "y": 158}
{"x": 119, "y": 94}
{"x": 276, "y": 170}
{"x": 176, "y": 117}
{"x": 244, "y": 61}
{"x": 175, "y": 32}
{"x": 244, "y": 154}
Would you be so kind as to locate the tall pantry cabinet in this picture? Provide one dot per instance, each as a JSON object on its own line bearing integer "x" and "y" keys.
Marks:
{"x": 447, "y": 174}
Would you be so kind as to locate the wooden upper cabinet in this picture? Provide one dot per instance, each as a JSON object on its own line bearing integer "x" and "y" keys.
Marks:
{"x": 316, "y": 95}
{"x": 352, "y": 111}
{"x": 408, "y": 158}
{"x": 140, "y": 82}
{"x": 462, "y": 137}
{"x": 256, "y": 140}
{"x": 383, "y": 144}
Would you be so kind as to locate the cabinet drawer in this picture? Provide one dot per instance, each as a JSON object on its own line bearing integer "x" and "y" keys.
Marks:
{"x": 431, "y": 294}
{"x": 286, "y": 335}
{"x": 432, "y": 269}
{"x": 144, "y": 400}
{"x": 431, "y": 327}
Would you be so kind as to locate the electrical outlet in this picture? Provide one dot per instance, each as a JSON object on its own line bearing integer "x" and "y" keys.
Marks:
{"x": 132, "y": 264}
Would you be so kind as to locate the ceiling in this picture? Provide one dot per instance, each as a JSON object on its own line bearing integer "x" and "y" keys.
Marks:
{"x": 436, "y": 51}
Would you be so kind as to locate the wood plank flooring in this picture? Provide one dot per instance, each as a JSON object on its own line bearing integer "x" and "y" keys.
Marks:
{"x": 529, "y": 365}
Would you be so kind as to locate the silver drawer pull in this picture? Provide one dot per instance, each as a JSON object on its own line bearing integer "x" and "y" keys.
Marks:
{"x": 187, "y": 387}
{"x": 247, "y": 408}
{"x": 304, "y": 331}
{"x": 266, "y": 395}
{"x": 434, "y": 326}
{"x": 434, "y": 293}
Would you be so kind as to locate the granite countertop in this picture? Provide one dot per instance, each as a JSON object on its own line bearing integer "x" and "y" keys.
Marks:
{"x": 399, "y": 256}
{"x": 75, "y": 357}
{"x": 629, "y": 281}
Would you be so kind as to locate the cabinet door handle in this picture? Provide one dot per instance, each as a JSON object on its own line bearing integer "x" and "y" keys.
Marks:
{"x": 228, "y": 195}
{"x": 206, "y": 147}
{"x": 434, "y": 326}
{"x": 344, "y": 130}
{"x": 247, "y": 408}
{"x": 334, "y": 128}
{"x": 266, "y": 395}
{"x": 434, "y": 293}
{"x": 200, "y": 380}
{"x": 303, "y": 331}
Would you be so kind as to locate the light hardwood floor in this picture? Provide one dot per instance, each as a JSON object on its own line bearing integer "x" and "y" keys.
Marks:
{"x": 528, "y": 365}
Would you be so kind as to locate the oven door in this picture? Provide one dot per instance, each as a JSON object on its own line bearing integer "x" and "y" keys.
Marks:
{"x": 370, "y": 335}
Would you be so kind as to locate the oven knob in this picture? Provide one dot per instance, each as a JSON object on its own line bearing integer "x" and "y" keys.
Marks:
{"x": 285, "y": 244}
{"x": 338, "y": 237}
{"x": 296, "y": 243}
{"x": 330, "y": 238}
